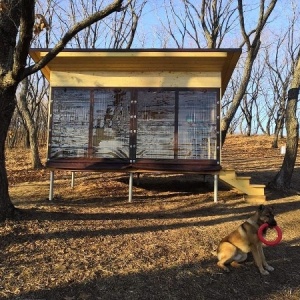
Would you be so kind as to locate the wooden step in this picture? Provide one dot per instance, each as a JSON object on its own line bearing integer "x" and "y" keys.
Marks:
{"x": 257, "y": 199}
{"x": 253, "y": 192}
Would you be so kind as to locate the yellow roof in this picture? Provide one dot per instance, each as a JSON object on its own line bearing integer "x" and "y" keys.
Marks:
{"x": 189, "y": 60}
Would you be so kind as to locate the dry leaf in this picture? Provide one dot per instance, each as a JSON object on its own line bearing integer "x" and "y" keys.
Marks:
{"x": 40, "y": 24}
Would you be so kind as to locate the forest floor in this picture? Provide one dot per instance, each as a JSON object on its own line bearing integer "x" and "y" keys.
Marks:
{"x": 91, "y": 243}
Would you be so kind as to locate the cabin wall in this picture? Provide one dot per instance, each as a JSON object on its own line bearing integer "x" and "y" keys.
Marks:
{"x": 161, "y": 79}
{"x": 141, "y": 128}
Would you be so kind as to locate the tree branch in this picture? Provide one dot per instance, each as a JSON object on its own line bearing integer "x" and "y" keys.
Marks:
{"x": 113, "y": 7}
{"x": 25, "y": 37}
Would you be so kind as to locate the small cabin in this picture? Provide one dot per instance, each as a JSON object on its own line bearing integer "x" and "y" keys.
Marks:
{"x": 136, "y": 110}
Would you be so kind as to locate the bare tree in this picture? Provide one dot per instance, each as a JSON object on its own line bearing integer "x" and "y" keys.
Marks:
{"x": 120, "y": 34}
{"x": 215, "y": 19}
{"x": 261, "y": 115}
{"x": 30, "y": 124}
{"x": 115, "y": 32}
{"x": 252, "y": 43}
{"x": 249, "y": 101}
{"x": 32, "y": 95}
{"x": 283, "y": 178}
{"x": 17, "y": 24}
{"x": 279, "y": 78}
{"x": 247, "y": 107}
{"x": 29, "y": 104}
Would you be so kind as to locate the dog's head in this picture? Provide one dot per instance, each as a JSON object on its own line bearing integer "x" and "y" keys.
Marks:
{"x": 266, "y": 215}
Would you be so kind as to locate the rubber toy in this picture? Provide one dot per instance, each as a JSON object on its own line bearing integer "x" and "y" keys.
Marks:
{"x": 266, "y": 242}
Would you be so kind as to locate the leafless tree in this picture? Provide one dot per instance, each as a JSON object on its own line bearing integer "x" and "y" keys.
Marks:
{"x": 115, "y": 32}
{"x": 247, "y": 110}
{"x": 215, "y": 20}
{"x": 252, "y": 43}
{"x": 18, "y": 23}
{"x": 279, "y": 76}
{"x": 262, "y": 113}
{"x": 119, "y": 32}
{"x": 283, "y": 178}
{"x": 30, "y": 106}
{"x": 204, "y": 27}
{"x": 30, "y": 124}
{"x": 249, "y": 101}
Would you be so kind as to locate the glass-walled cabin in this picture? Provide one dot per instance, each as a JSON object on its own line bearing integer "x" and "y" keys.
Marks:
{"x": 134, "y": 129}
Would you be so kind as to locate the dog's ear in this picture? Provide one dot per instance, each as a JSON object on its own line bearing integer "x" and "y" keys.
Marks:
{"x": 261, "y": 207}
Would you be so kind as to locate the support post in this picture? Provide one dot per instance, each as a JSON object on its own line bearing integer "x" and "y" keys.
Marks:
{"x": 72, "y": 179}
{"x": 51, "y": 185}
{"x": 216, "y": 177}
{"x": 130, "y": 187}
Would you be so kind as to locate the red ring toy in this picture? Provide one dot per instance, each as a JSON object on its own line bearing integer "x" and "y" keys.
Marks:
{"x": 269, "y": 243}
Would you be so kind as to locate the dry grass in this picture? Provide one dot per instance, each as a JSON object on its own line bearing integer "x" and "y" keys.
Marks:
{"x": 90, "y": 243}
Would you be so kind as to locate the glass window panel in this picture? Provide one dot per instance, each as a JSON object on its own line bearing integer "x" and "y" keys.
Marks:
{"x": 197, "y": 121}
{"x": 90, "y": 123}
{"x": 170, "y": 124}
{"x": 70, "y": 122}
{"x": 155, "y": 124}
{"x": 111, "y": 124}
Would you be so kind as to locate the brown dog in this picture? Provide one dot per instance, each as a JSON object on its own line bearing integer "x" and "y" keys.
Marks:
{"x": 233, "y": 248}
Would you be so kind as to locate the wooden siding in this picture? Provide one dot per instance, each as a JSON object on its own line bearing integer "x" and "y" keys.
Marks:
{"x": 220, "y": 61}
{"x": 136, "y": 79}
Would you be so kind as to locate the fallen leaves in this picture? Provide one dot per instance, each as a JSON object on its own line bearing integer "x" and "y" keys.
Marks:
{"x": 90, "y": 243}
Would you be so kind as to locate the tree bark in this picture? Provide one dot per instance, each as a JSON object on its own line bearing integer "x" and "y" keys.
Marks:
{"x": 16, "y": 20}
{"x": 7, "y": 107}
{"x": 31, "y": 127}
{"x": 279, "y": 122}
{"x": 282, "y": 180}
{"x": 16, "y": 30}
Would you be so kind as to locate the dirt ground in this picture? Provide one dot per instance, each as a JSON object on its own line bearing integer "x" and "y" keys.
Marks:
{"x": 90, "y": 243}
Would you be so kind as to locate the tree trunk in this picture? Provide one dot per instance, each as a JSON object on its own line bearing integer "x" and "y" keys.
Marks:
{"x": 30, "y": 125}
{"x": 278, "y": 129}
{"x": 279, "y": 122}
{"x": 16, "y": 27}
{"x": 7, "y": 106}
{"x": 282, "y": 180}
{"x": 253, "y": 45}
{"x": 227, "y": 119}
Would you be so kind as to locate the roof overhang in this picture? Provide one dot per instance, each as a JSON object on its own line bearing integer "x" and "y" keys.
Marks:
{"x": 142, "y": 60}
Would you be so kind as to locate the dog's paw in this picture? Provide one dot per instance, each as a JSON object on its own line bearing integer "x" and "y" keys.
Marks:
{"x": 223, "y": 267}
{"x": 264, "y": 272}
{"x": 269, "y": 268}
{"x": 235, "y": 264}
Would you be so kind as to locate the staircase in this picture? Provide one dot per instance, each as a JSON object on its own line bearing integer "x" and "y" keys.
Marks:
{"x": 253, "y": 192}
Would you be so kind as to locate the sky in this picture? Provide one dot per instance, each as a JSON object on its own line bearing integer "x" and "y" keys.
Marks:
{"x": 151, "y": 32}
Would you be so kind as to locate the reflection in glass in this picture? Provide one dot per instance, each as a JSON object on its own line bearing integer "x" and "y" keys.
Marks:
{"x": 134, "y": 123}
{"x": 70, "y": 122}
{"x": 90, "y": 123}
{"x": 111, "y": 124}
{"x": 155, "y": 129}
{"x": 197, "y": 125}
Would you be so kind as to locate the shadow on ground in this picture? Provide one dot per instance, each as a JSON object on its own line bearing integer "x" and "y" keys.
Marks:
{"x": 191, "y": 281}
